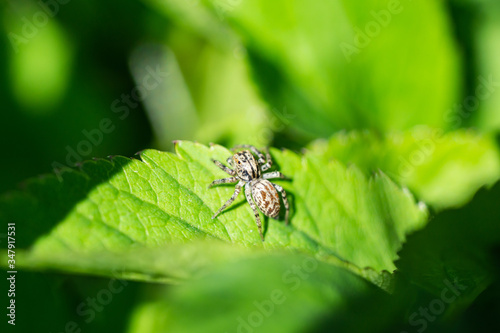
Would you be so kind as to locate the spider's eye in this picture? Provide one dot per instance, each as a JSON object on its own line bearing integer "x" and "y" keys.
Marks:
{"x": 239, "y": 162}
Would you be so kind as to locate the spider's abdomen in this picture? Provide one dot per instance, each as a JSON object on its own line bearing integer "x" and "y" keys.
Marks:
{"x": 266, "y": 197}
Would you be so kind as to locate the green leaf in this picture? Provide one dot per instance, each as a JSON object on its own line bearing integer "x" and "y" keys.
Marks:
{"x": 126, "y": 206}
{"x": 199, "y": 78}
{"x": 486, "y": 113}
{"x": 459, "y": 247}
{"x": 286, "y": 293}
{"x": 443, "y": 170}
{"x": 341, "y": 65}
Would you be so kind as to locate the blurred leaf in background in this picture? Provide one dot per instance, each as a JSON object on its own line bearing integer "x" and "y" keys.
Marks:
{"x": 296, "y": 294}
{"x": 443, "y": 170}
{"x": 59, "y": 83}
{"x": 476, "y": 29}
{"x": 341, "y": 65}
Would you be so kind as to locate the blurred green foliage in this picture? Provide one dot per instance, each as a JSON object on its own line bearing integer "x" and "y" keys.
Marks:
{"x": 378, "y": 79}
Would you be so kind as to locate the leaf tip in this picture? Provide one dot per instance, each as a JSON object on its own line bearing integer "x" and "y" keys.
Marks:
{"x": 422, "y": 206}
{"x": 140, "y": 152}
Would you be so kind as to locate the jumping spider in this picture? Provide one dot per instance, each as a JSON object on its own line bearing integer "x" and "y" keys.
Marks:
{"x": 248, "y": 172}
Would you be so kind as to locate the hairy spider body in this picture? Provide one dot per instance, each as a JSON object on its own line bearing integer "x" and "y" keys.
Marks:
{"x": 266, "y": 197}
{"x": 259, "y": 191}
{"x": 246, "y": 166}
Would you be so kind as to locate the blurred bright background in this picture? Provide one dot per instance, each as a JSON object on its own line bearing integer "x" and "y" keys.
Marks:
{"x": 84, "y": 79}
{"x": 274, "y": 73}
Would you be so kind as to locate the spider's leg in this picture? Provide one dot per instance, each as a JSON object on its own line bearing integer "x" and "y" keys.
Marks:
{"x": 248, "y": 194}
{"x": 237, "y": 190}
{"x": 269, "y": 161}
{"x": 273, "y": 174}
{"x": 285, "y": 200}
{"x": 224, "y": 168}
{"x": 257, "y": 152}
{"x": 230, "y": 161}
{"x": 223, "y": 181}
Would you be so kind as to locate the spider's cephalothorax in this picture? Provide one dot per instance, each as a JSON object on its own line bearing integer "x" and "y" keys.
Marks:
{"x": 259, "y": 191}
{"x": 246, "y": 166}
